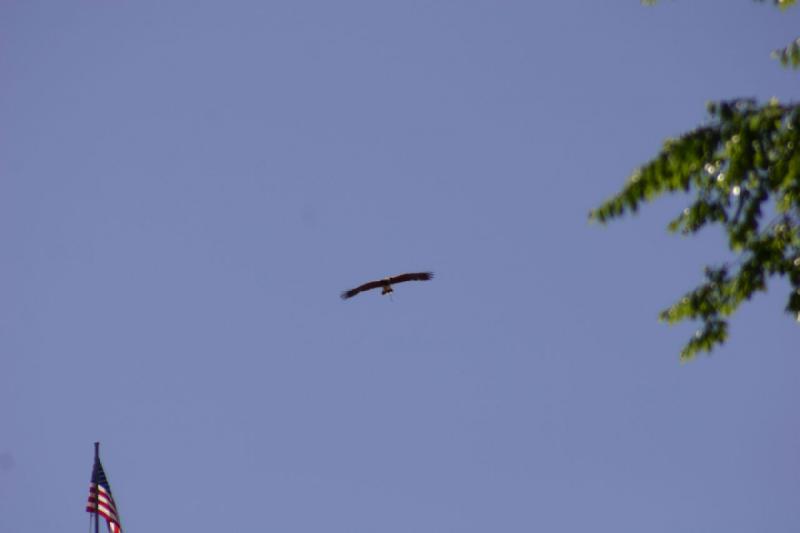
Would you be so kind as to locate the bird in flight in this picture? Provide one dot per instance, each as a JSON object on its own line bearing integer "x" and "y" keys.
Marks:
{"x": 386, "y": 283}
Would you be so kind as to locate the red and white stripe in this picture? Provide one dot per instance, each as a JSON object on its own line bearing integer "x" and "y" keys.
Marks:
{"x": 101, "y": 502}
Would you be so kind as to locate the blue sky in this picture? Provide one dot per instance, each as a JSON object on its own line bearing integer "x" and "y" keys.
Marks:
{"x": 186, "y": 187}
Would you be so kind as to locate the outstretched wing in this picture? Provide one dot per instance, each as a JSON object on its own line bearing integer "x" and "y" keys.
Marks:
{"x": 411, "y": 276}
{"x": 361, "y": 288}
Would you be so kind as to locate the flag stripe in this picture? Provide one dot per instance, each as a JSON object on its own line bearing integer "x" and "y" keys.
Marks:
{"x": 104, "y": 499}
{"x": 104, "y": 510}
{"x": 100, "y": 499}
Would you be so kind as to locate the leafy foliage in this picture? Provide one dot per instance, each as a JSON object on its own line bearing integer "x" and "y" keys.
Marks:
{"x": 788, "y": 56}
{"x": 744, "y": 162}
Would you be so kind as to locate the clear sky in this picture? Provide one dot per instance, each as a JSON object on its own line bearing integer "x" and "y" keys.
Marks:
{"x": 187, "y": 186}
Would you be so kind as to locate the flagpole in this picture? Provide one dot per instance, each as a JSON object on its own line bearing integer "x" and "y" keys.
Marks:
{"x": 96, "y": 491}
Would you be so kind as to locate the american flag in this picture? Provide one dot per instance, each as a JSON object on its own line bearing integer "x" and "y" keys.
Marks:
{"x": 100, "y": 499}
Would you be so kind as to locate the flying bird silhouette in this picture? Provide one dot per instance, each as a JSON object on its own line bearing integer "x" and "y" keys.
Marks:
{"x": 386, "y": 283}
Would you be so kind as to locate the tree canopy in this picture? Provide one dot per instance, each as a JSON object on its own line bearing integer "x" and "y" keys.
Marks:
{"x": 743, "y": 170}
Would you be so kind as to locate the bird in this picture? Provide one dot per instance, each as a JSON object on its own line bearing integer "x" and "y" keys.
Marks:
{"x": 386, "y": 283}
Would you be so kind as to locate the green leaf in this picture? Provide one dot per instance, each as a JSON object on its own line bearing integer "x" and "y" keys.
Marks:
{"x": 743, "y": 171}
